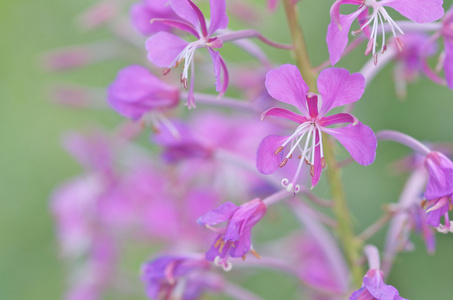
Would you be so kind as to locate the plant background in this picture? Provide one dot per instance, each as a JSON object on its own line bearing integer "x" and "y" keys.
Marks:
{"x": 32, "y": 161}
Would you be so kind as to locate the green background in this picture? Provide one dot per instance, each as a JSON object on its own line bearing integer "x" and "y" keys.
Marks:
{"x": 32, "y": 161}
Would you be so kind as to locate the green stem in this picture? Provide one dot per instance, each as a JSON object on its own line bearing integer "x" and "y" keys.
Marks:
{"x": 299, "y": 53}
{"x": 350, "y": 244}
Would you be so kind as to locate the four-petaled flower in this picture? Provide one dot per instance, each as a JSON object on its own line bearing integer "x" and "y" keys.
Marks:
{"x": 374, "y": 288}
{"x": 234, "y": 239}
{"x": 167, "y": 50}
{"x": 439, "y": 190}
{"x": 420, "y": 11}
{"x": 336, "y": 87}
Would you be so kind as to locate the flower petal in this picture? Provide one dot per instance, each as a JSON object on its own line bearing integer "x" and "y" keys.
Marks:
{"x": 184, "y": 9}
{"x": 219, "y": 215}
{"x": 287, "y": 85}
{"x": 163, "y": 49}
{"x": 338, "y": 118}
{"x": 448, "y": 65}
{"x": 215, "y": 56}
{"x": 420, "y": 11}
{"x": 335, "y": 9}
{"x": 283, "y": 113}
{"x": 440, "y": 180}
{"x": 266, "y": 160}
{"x": 337, "y": 37}
{"x": 219, "y": 18}
{"x": 337, "y": 87}
{"x": 359, "y": 140}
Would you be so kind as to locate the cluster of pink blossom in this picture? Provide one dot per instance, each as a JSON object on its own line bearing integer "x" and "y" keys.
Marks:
{"x": 213, "y": 166}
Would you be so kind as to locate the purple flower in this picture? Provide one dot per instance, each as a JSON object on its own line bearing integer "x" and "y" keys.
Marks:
{"x": 234, "y": 239}
{"x": 136, "y": 92}
{"x": 336, "y": 87}
{"x": 447, "y": 32}
{"x": 374, "y": 288}
{"x": 439, "y": 190}
{"x": 142, "y": 13}
{"x": 175, "y": 277}
{"x": 420, "y": 11}
{"x": 167, "y": 50}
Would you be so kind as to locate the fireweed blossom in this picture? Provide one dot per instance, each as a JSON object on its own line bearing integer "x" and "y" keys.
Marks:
{"x": 234, "y": 239}
{"x": 167, "y": 50}
{"x": 373, "y": 286}
{"x": 336, "y": 87}
{"x": 136, "y": 92}
{"x": 439, "y": 191}
{"x": 143, "y": 12}
{"x": 176, "y": 277}
{"x": 446, "y": 57}
{"x": 420, "y": 11}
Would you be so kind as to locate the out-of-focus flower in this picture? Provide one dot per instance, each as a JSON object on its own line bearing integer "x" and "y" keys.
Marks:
{"x": 336, "y": 87}
{"x": 234, "y": 239}
{"x": 136, "y": 92}
{"x": 176, "y": 277}
{"x": 420, "y": 11}
{"x": 439, "y": 190}
{"x": 167, "y": 50}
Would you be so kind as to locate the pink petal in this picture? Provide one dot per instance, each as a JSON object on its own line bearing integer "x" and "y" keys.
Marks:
{"x": 440, "y": 180}
{"x": 359, "y": 140}
{"x": 168, "y": 23}
{"x": 219, "y": 18}
{"x": 266, "y": 160}
{"x": 215, "y": 56}
{"x": 335, "y": 9}
{"x": 272, "y": 4}
{"x": 420, "y": 11}
{"x": 287, "y": 85}
{"x": 163, "y": 49}
{"x": 338, "y": 118}
{"x": 184, "y": 9}
{"x": 283, "y": 113}
{"x": 317, "y": 164}
{"x": 337, "y": 38}
{"x": 337, "y": 87}
{"x": 448, "y": 65}
{"x": 219, "y": 215}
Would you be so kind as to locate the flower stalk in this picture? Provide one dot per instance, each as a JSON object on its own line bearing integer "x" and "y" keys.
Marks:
{"x": 351, "y": 246}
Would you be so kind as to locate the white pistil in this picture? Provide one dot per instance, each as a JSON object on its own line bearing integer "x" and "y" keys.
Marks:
{"x": 187, "y": 55}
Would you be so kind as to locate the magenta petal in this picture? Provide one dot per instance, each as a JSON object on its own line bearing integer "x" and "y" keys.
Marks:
{"x": 177, "y": 24}
{"x": 183, "y": 9}
{"x": 163, "y": 49}
{"x": 337, "y": 38}
{"x": 420, "y": 11}
{"x": 337, "y": 87}
{"x": 440, "y": 180}
{"x": 221, "y": 214}
{"x": 243, "y": 245}
{"x": 283, "y": 113}
{"x": 215, "y": 56}
{"x": 335, "y": 9}
{"x": 338, "y": 118}
{"x": 317, "y": 164}
{"x": 359, "y": 140}
{"x": 287, "y": 85}
{"x": 448, "y": 65}
{"x": 266, "y": 160}
{"x": 219, "y": 18}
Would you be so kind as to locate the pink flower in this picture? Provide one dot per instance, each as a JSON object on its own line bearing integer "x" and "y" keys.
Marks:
{"x": 142, "y": 13}
{"x": 420, "y": 11}
{"x": 234, "y": 239}
{"x": 336, "y": 87}
{"x": 176, "y": 277}
{"x": 167, "y": 50}
{"x": 374, "y": 288}
{"x": 439, "y": 190}
{"x": 136, "y": 92}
